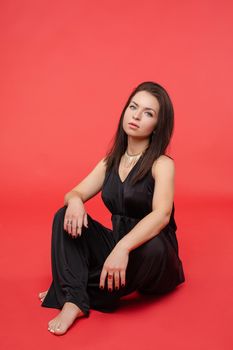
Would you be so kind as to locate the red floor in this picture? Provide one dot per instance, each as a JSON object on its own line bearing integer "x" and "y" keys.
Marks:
{"x": 197, "y": 315}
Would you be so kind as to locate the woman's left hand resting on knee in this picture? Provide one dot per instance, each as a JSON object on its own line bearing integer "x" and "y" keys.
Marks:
{"x": 114, "y": 269}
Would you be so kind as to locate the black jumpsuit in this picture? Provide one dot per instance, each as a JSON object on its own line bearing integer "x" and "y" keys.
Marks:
{"x": 153, "y": 268}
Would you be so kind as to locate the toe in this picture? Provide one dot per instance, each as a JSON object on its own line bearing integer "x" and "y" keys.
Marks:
{"x": 55, "y": 328}
{"x": 52, "y": 329}
{"x": 59, "y": 330}
{"x": 42, "y": 294}
{"x": 50, "y": 324}
{"x": 58, "y": 326}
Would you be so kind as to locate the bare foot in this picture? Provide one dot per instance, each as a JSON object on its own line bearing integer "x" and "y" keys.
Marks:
{"x": 60, "y": 324}
{"x": 42, "y": 295}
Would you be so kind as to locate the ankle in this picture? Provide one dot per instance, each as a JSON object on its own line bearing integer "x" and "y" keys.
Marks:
{"x": 72, "y": 306}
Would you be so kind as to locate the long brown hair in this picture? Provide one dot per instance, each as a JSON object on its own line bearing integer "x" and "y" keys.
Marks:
{"x": 159, "y": 139}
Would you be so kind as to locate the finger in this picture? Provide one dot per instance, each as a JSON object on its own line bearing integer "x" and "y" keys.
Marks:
{"x": 78, "y": 233}
{"x": 66, "y": 220}
{"x": 102, "y": 278}
{"x": 69, "y": 226}
{"x": 110, "y": 280}
{"x": 65, "y": 224}
{"x": 73, "y": 227}
{"x": 85, "y": 220}
{"x": 122, "y": 276}
{"x": 79, "y": 226}
{"x": 77, "y": 229}
{"x": 116, "y": 279}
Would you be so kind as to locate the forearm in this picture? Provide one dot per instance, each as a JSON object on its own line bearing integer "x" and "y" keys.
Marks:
{"x": 72, "y": 195}
{"x": 144, "y": 230}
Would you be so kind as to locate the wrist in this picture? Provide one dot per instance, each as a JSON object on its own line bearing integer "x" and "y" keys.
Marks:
{"x": 123, "y": 245}
{"x": 72, "y": 197}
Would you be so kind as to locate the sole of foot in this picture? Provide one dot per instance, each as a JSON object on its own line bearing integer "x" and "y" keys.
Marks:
{"x": 42, "y": 295}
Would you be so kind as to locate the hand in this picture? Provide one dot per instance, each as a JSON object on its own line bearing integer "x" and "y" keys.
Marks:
{"x": 75, "y": 217}
{"x": 115, "y": 267}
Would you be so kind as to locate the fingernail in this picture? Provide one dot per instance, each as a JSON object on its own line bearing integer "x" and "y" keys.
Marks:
{"x": 116, "y": 288}
{"x": 101, "y": 287}
{"x": 122, "y": 285}
{"x": 110, "y": 289}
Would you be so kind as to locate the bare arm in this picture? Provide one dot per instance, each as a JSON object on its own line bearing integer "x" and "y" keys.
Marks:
{"x": 89, "y": 186}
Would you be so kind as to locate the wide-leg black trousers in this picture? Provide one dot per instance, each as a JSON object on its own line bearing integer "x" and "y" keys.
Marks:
{"x": 153, "y": 268}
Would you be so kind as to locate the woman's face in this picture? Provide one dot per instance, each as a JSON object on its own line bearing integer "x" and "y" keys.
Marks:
{"x": 143, "y": 111}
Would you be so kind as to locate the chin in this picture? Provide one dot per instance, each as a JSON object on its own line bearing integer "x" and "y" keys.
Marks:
{"x": 131, "y": 133}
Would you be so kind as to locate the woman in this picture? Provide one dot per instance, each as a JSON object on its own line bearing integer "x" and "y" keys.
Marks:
{"x": 94, "y": 266}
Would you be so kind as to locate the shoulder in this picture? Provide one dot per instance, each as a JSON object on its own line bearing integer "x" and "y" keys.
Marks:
{"x": 102, "y": 163}
{"x": 100, "y": 167}
{"x": 162, "y": 166}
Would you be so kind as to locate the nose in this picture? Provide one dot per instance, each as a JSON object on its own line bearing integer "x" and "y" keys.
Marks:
{"x": 136, "y": 115}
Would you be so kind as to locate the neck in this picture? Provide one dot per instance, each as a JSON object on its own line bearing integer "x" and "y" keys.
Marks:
{"x": 136, "y": 146}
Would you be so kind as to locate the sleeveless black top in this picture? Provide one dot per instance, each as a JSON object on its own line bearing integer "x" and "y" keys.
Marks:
{"x": 130, "y": 203}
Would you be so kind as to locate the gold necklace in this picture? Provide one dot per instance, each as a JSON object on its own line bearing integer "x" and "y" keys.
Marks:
{"x": 131, "y": 160}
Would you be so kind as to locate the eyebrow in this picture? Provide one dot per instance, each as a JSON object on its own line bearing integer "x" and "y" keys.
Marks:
{"x": 145, "y": 107}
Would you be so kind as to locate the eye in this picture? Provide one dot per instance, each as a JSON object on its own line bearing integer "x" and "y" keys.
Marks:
{"x": 150, "y": 114}
{"x": 132, "y": 106}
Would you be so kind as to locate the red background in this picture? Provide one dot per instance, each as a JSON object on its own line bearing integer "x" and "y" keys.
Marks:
{"x": 67, "y": 68}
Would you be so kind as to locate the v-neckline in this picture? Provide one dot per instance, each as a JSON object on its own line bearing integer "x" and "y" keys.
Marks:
{"x": 122, "y": 182}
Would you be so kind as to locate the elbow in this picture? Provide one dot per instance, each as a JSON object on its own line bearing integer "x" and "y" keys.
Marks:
{"x": 165, "y": 219}
{"x": 161, "y": 218}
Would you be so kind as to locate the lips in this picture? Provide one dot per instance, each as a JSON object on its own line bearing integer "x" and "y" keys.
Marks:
{"x": 134, "y": 124}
